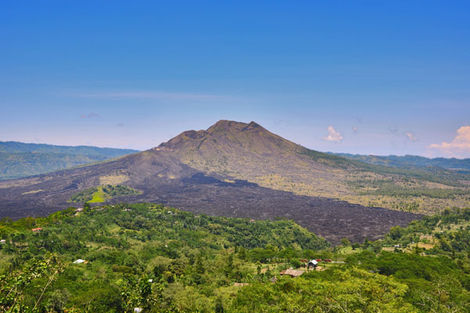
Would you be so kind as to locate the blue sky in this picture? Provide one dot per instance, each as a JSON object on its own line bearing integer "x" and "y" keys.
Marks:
{"x": 373, "y": 77}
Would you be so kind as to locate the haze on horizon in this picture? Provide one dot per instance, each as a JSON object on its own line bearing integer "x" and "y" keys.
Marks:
{"x": 364, "y": 77}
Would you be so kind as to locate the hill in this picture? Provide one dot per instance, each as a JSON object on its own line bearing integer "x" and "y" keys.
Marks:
{"x": 124, "y": 246}
{"x": 116, "y": 258}
{"x": 412, "y": 161}
{"x": 19, "y": 159}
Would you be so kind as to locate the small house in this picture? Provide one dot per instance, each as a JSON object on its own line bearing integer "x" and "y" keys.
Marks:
{"x": 312, "y": 263}
{"x": 79, "y": 261}
{"x": 36, "y": 230}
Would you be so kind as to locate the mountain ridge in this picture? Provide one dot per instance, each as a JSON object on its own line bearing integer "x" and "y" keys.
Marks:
{"x": 18, "y": 147}
{"x": 410, "y": 161}
{"x": 18, "y": 159}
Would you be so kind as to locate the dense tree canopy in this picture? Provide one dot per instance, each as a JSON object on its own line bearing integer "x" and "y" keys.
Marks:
{"x": 122, "y": 257}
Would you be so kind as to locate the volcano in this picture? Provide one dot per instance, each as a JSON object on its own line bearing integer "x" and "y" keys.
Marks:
{"x": 231, "y": 169}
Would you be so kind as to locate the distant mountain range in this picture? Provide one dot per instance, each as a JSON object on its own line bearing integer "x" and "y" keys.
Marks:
{"x": 411, "y": 161}
{"x": 19, "y": 159}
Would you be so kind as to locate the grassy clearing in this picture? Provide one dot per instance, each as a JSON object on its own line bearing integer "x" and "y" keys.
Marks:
{"x": 347, "y": 250}
{"x": 102, "y": 193}
{"x": 98, "y": 196}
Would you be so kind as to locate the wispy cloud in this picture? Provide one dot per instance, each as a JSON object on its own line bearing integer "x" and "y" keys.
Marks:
{"x": 90, "y": 115}
{"x": 151, "y": 95}
{"x": 459, "y": 146}
{"x": 333, "y": 135}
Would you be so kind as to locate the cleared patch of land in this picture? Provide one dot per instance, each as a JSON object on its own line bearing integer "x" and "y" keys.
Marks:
{"x": 102, "y": 193}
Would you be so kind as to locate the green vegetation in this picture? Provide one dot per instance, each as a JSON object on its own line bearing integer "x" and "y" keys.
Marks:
{"x": 102, "y": 193}
{"x": 412, "y": 161}
{"x": 192, "y": 260}
{"x": 390, "y": 188}
{"x": 165, "y": 260}
{"x": 19, "y": 159}
{"x": 336, "y": 290}
{"x": 328, "y": 159}
{"x": 445, "y": 234}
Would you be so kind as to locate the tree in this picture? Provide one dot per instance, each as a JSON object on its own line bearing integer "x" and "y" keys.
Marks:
{"x": 396, "y": 232}
{"x": 86, "y": 207}
{"x": 219, "y": 306}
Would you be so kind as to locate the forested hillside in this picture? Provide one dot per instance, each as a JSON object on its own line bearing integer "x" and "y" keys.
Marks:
{"x": 412, "y": 161}
{"x": 19, "y": 159}
{"x": 125, "y": 257}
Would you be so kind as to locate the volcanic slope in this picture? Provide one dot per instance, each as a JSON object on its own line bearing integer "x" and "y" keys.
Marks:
{"x": 215, "y": 172}
{"x": 252, "y": 153}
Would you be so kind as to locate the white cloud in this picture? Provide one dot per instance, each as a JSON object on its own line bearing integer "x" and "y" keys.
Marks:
{"x": 333, "y": 135}
{"x": 411, "y": 136}
{"x": 459, "y": 146}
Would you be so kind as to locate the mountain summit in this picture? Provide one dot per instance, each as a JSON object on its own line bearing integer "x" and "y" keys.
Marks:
{"x": 250, "y": 152}
{"x": 229, "y": 135}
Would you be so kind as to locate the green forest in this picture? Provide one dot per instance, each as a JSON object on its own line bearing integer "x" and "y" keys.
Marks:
{"x": 151, "y": 258}
{"x": 18, "y": 159}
